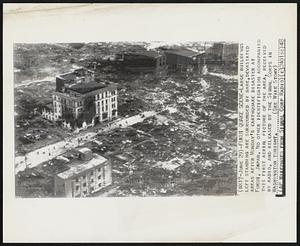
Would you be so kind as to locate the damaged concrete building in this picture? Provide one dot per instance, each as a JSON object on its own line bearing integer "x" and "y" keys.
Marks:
{"x": 79, "y": 75}
{"x": 144, "y": 61}
{"x": 85, "y": 175}
{"x": 222, "y": 52}
{"x": 78, "y": 97}
{"x": 184, "y": 60}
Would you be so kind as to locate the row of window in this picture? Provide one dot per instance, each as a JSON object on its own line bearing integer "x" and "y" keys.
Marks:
{"x": 56, "y": 110}
{"x": 92, "y": 181}
{"x": 101, "y": 103}
{"x": 105, "y": 109}
{"x": 85, "y": 192}
{"x": 162, "y": 61}
{"x": 91, "y": 173}
{"x": 67, "y": 102}
{"x": 105, "y": 94}
{"x": 80, "y": 103}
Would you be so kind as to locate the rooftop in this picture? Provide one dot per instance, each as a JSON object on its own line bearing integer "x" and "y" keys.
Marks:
{"x": 67, "y": 76}
{"x": 183, "y": 52}
{"x": 84, "y": 150}
{"x": 72, "y": 75}
{"x": 83, "y": 88}
{"x": 148, "y": 53}
{"x": 82, "y": 69}
{"x": 78, "y": 166}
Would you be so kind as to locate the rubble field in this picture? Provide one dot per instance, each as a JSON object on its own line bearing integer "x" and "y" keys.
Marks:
{"x": 189, "y": 148}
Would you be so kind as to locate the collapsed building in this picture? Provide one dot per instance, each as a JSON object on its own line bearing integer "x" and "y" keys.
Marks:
{"x": 79, "y": 98}
{"x": 223, "y": 53}
{"x": 184, "y": 60}
{"x": 143, "y": 61}
{"x": 87, "y": 174}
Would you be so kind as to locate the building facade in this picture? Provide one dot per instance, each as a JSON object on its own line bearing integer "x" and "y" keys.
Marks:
{"x": 85, "y": 99}
{"x": 144, "y": 61}
{"x": 184, "y": 60}
{"x": 223, "y": 52}
{"x": 86, "y": 175}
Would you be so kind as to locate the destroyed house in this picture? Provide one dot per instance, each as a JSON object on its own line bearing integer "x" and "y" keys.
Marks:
{"x": 184, "y": 60}
{"x": 144, "y": 61}
{"x": 86, "y": 174}
{"x": 86, "y": 101}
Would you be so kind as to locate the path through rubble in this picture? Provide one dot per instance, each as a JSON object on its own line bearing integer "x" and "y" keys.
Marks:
{"x": 49, "y": 152}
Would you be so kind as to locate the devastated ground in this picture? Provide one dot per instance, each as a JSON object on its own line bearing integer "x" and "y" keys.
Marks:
{"x": 187, "y": 149}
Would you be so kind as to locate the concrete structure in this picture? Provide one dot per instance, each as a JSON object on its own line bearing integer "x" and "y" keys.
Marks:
{"x": 184, "y": 60}
{"x": 79, "y": 75}
{"x": 86, "y": 175}
{"x": 49, "y": 115}
{"x": 223, "y": 52}
{"x": 84, "y": 99}
{"x": 144, "y": 61}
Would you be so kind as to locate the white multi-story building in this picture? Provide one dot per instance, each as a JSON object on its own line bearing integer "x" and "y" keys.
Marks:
{"x": 85, "y": 99}
{"x": 85, "y": 175}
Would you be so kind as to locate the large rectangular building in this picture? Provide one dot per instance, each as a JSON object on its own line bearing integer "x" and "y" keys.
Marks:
{"x": 184, "y": 60}
{"x": 85, "y": 100}
{"x": 223, "y": 52}
{"x": 144, "y": 61}
{"x": 86, "y": 175}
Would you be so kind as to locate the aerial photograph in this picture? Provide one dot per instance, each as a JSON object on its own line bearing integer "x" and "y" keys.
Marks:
{"x": 125, "y": 119}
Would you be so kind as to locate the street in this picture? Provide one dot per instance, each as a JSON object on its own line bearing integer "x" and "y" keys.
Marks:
{"x": 49, "y": 152}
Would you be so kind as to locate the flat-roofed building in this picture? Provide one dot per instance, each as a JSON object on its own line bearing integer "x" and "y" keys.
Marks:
{"x": 86, "y": 100}
{"x": 223, "y": 52}
{"x": 87, "y": 174}
{"x": 184, "y": 60}
{"x": 144, "y": 61}
{"x": 79, "y": 75}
